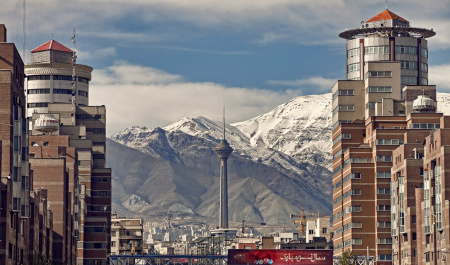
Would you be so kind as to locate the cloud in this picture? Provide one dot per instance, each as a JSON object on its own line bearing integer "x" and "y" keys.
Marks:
{"x": 439, "y": 76}
{"x": 317, "y": 83}
{"x": 139, "y": 95}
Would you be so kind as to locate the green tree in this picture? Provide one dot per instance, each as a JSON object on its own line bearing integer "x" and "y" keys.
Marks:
{"x": 347, "y": 258}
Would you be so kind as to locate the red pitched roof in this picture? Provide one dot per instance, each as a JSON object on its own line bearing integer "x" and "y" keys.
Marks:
{"x": 52, "y": 45}
{"x": 386, "y": 15}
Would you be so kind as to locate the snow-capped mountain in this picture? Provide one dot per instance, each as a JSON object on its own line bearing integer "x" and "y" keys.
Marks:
{"x": 280, "y": 164}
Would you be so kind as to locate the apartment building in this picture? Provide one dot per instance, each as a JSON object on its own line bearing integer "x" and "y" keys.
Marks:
{"x": 385, "y": 95}
{"x": 126, "y": 235}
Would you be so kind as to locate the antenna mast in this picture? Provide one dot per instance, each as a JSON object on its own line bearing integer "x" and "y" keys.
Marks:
{"x": 386, "y": 5}
{"x": 24, "y": 27}
{"x": 224, "y": 120}
{"x": 74, "y": 88}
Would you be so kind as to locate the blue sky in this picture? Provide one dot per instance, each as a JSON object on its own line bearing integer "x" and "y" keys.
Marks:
{"x": 157, "y": 61}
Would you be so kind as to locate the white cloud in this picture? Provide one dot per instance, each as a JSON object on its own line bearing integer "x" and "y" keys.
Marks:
{"x": 318, "y": 83}
{"x": 439, "y": 76}
{"x": 138, "y": 95}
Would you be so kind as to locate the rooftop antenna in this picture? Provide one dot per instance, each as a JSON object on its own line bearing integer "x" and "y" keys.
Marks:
{"x": 74, "y": 88}
{"x": 24, "y": 23}
{"x": 224, "y": 120}
{"x": 386, "y": 5}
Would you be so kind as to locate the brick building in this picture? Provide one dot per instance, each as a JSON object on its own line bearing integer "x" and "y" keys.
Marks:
{"x": 377, "y": 109}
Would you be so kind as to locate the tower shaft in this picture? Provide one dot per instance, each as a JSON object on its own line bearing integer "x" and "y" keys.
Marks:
{"x": 223, "y": 221}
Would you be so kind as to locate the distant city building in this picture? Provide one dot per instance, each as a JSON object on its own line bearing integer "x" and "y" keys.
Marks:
{"x": 126, "y": 236}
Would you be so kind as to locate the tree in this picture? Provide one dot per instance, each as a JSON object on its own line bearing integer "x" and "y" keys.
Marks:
{"x": 347, "y": 258}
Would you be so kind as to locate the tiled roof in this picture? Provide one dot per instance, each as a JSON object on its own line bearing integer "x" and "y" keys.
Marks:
{"x": 386, "y": 15}
{"x": 52, "y": 45}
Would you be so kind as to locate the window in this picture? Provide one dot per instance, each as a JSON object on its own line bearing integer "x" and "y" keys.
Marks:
{"x": 311, "y": 232}
{"x": 38, "y": 105}
{"x": 381, "y": 191}
{"x": 38, "y": 77}
{"x": 82, "y": 93}
{"x": 383, "y": 175}
{"x": 354, "y": 67}
{"x": 389, "y": 142}
{"x": 62, "y": 77}
{"x": 38, "y": 91}
{"x": 324, "y": 230}
{"x": 383, "y": 208}
{"x": 409, "y": 80}
{"x": 384, "y": 158}
{"x": 408, "y": 65}
{"x": 353, "y": 52}
{"x": 370, "y": 105}
{"x": 380, "y": 73}
{"x": 379, "y": 89}
{"x": 83, "y": 80}
{"x": 62, "y": 91}
{"x": 384, "y": 241}
{"x": 424, "y": 52}
{"x": 95, "y": 130}
{"x": 343, "y": 93}
{"x": 384, "y": 224}
{"x": 98, "y": 156}
{"x": 342, "y": 136}
{"x": 384, "y": 257}
{"x": 383, "y": 49}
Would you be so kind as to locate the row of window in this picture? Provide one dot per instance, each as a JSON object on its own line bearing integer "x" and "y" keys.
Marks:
{"x": 356, "y": 209}
{"x": 353, "y": 52}
{"x": 55, "y": 91}
{"x": 344, "y": 92}
{"x": 344, "y": 108}
{"x": 38, "y": 105}
{"x": 57, "y": 77}
{"x": 342, "y": 136}
{"x": 88, "y": 117}
{"x": 357, "y": 160}
{"x": 389, "y": 142}
{"x": 379, "y": 89}
{"x": 347, "y": 178}
{"x": 432, "y": 126}
{"x": 408, "y": 65}
{"x": 95, "y": 130}
{"x": 380, "y": 73}
{"x": 384, "y": 49}
{"x": 336, "y": 170}
{"x": 354, "y": 67}
{"x": 100, "y": 193}
{"x": 383, "y": 158}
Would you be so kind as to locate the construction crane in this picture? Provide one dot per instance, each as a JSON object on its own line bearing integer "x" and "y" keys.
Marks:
{"x": 303, "y": 220}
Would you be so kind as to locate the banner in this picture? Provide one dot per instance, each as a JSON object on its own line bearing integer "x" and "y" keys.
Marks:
{"x": 279, "y": 256}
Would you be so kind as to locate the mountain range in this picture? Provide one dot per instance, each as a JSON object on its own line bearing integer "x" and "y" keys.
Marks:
{"x": 280, "y": 165}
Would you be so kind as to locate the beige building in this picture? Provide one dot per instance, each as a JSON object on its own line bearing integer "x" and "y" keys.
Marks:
{"x": 126, "y": 236}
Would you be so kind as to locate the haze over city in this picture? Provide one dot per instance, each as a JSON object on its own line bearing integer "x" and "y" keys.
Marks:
{"x": 179, "y": 59}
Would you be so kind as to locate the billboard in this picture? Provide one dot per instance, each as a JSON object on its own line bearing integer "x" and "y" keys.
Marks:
{"x": 280, "y": 256}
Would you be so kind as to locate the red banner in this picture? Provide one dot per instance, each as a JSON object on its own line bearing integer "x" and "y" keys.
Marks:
{"x": 279, "y": 257}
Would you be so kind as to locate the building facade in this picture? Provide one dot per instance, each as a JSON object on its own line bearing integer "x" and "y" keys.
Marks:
{"x": 127, "y": 236}
{"x": 51, "y": 75}
{"x": 381, "y": 100}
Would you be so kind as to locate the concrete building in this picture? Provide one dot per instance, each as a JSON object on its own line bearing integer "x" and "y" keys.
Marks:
{"x": 15, "y": 175}
{"x": 49, "y": 78}
{"x": 90, "y": 212}
{"x": 126, "y": 236}
{"x": 387, "y": 77}
{"x": 319, "y": 227}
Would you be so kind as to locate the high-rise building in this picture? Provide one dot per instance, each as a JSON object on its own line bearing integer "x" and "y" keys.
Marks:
{"x": 70, "y": 134}
{"x": 15, "y": 175}
{"x": 386, "y": 94}
{"x": 126, "y": 235}
{"x": 50, "y": 77}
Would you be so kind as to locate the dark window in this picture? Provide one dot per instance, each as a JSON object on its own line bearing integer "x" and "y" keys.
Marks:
{"x": 62, "y": 77}
{"x": 39, "y": 91}
{"x": 38, "y": 105}
{"x": 39, "y": 77}
{"x": 62, "y": 91}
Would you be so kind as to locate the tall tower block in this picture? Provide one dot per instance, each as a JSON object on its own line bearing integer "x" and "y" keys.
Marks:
{"x": 223, "y": 150}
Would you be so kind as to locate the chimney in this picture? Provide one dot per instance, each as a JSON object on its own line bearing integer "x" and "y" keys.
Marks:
{"x": 2, "y": 33}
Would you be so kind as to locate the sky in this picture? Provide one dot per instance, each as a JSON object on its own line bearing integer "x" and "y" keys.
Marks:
{"x": 157, "y": 61}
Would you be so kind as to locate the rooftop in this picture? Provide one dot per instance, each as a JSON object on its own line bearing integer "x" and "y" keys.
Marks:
{"x": 386, "y": 15}
{"x": 52, "y": 45}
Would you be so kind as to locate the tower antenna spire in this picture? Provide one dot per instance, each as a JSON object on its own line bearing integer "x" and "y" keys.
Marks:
{"x": 224, "y": 120}
{"x": 24, "y": 29}
{"x": 386, "y": 5}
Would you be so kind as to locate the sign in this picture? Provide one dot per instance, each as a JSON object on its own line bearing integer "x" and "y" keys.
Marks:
{"x": 279, "y": 257}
